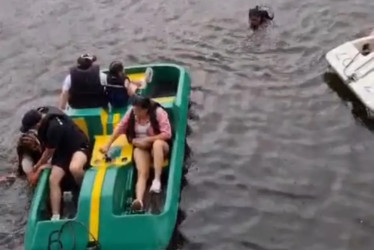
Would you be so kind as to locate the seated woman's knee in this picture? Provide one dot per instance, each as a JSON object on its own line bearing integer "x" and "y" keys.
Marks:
{"x": 158, "y": 144}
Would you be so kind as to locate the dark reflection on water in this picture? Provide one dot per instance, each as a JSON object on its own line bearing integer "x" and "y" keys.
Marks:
{"x": 357, "y": 108}
{"x": 282, "y": 152}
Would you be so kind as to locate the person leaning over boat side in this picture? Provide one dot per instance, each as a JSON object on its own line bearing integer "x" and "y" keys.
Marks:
{"x": 119, "y": 86}
{"x": 64, "y": 142}
{"x": 147, "y": 127}
{"x": 258, "y": 17}
{"x": 83, "y": 87}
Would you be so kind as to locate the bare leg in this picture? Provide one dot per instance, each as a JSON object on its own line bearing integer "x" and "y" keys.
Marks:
{"x": 142, "y": 160}
{"x": 160, "y": 149}
{"x": 55, "y": 178}
{"x": 78, "y": 161}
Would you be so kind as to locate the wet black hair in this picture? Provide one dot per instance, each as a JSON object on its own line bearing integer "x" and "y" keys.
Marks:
{"x": 260, "y": 12}
{"x": 115, "y": 68}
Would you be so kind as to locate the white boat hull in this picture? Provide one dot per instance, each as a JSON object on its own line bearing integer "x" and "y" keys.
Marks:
{"x": 356, "y": 68}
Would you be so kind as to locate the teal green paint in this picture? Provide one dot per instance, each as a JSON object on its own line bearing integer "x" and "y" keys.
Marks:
{"x": 118, "y": 229}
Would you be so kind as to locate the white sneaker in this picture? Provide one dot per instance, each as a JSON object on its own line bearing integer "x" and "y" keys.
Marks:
{"x": 55, "y": 217}
{"x": 148, "y": 75}
{"x": 147, "y": 78}
{"x": 155, "y": 187}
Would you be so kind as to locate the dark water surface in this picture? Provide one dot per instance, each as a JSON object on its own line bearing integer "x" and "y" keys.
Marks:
{"x": 282, "y": 159}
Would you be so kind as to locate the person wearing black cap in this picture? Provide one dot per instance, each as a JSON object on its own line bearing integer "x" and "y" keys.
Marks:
{"x": 64, "y": 142}
{"x": 83, "y": 87}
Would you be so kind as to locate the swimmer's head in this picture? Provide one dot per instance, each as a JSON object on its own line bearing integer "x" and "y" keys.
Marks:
{"x": 258, "y": 16}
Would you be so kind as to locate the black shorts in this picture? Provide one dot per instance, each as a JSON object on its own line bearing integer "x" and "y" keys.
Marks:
{"x": 62, "y": 156}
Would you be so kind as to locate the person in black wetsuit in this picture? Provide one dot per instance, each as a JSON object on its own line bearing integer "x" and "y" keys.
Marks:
{"x": 64, "y": 142}
{"x": 84, "y": 87}
{"x": 258, "y": 17}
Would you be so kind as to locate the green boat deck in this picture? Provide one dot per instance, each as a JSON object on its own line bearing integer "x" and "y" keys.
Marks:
{"x": 108, "y": 187}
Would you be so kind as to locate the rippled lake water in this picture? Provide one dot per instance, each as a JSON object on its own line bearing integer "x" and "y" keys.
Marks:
{"x": 282, "y": 153}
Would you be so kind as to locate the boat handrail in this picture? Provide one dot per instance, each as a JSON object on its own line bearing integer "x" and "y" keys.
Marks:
{"x": 353, "y": 76}
{"x": 349, "y": 64}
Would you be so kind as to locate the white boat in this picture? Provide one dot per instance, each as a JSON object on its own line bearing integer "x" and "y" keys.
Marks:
{"x": 353, "y": 61}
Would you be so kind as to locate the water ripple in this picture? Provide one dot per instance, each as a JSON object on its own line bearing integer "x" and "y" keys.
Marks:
{"x": 281, "y": 149}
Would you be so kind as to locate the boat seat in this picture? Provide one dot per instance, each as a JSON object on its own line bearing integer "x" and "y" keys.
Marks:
{"x": 91, "y": 121}
{"x": 135, "y": 77}
{"x": 120, "y": 153}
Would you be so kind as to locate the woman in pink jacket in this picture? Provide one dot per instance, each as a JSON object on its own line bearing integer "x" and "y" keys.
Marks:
{"x": 147, "y": 127}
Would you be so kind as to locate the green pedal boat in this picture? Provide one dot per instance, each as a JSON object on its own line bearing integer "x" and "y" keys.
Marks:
{"x": 103, "y": 219}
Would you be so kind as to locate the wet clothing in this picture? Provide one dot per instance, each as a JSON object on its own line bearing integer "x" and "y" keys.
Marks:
{"x": 29, "y": 151}
{"x": 86, "y": 89}
{"x": 59, "y": 132}
{"x": 117, "y": 91}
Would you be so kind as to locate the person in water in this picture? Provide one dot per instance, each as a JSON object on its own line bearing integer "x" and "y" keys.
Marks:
{"x": 64, "y": 142}
{"x": 119, "y": 87}
{"x": 29, "y": 151}
{"x": 83, "y": 87}
{"x": 147, "y": 127}
{"x": 258, "y": 17}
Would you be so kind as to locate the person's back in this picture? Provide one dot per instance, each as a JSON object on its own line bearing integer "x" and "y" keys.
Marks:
{"x": 55, "y": 117}
{"x": 116, "y": 87}
{"x": 86, "y": 90}
{"x": 84, "y": 86}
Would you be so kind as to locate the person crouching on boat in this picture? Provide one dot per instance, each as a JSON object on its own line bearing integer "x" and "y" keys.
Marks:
{"x": 64, "y": 142}
{"x": 147, "y": 127}
{"x": 119, "y": 86}
{"x": 258, "y": 17}
{"x": 83, "y": 87}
